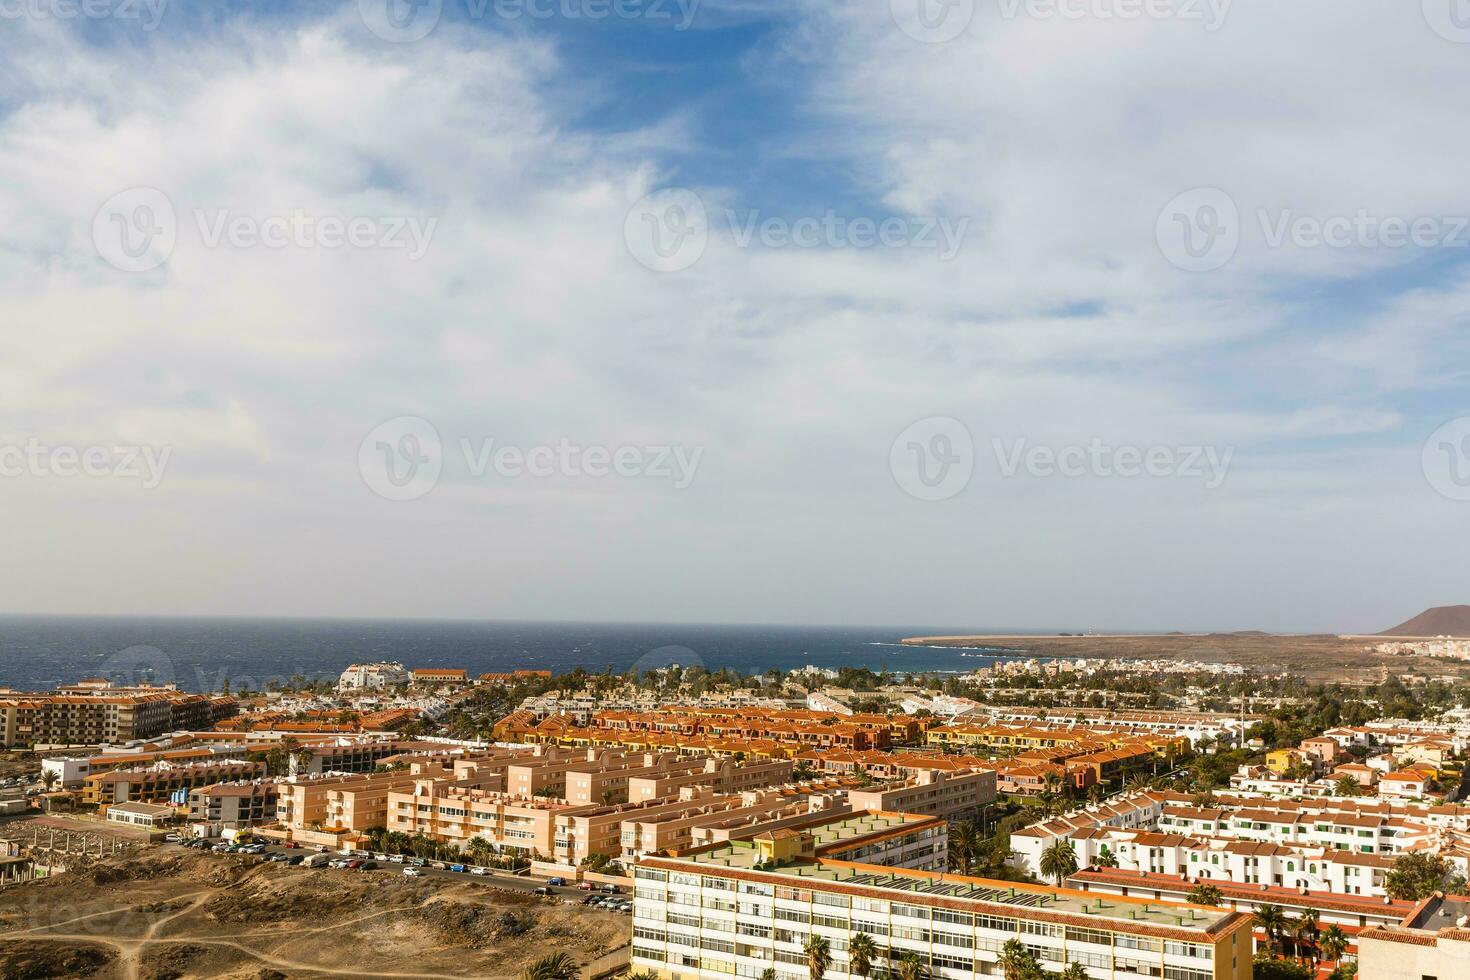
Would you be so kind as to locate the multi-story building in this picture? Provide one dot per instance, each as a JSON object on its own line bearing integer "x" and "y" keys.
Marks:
{"x": 953, "y": 795}
{"x": 742, "y": 908}
{"x": 159, "y": 782}
{"x": 337, "y": 804}
{"x": 373, "y": 677}
{"x": 1431, "y": 943}
{"x": 233, "y": 806}
{"x": 104, "y": 715}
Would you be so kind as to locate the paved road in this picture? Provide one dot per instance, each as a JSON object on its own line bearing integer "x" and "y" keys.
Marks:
{"x": 495, "y": 879}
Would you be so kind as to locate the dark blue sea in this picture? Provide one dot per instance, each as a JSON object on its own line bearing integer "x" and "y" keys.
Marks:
{"x": 37, "y": 653}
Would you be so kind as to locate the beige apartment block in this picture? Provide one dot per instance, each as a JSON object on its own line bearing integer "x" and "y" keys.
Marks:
{"x": 456, "y": 813}
{"x": 952, "y": 795}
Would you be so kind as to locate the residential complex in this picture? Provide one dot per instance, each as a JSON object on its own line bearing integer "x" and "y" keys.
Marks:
{"x": 745, "y": 907}
{"x": 100, "y": 715}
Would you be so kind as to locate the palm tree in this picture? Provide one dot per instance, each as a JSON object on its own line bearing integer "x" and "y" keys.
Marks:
{"x": 1017, "y": 962}
{"x": 1205, "y": 895}
{"x": 818, "y": 956}
{"x": 769, "y": 973}
{"x": 1333, "y": 943}
{"x": 910, "y": 967}
{"x": 861, "y": 952}
{"x": 1270, "y": 920}
{"x": 556, "y": 966}
{"x": 639, "y": 975}
{"x": 964, "y": 845}
{"x": 1074, "y": 971}
{"x": 50, "y": 778}
{"x": 1106, "y": 858}
{"x": 1059, "y": 860}
{"x": 1304, "y": 932}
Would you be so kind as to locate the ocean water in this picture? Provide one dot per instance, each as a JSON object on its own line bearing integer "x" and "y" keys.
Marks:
{"x": 37, "y": 653}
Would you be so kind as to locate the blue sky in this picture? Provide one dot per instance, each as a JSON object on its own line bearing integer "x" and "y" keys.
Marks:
{"x": 1081, "y": 261}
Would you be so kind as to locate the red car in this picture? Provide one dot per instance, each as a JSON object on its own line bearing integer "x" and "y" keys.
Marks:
{"x": 354, "y": 864}
{"x": 585, "y": 886}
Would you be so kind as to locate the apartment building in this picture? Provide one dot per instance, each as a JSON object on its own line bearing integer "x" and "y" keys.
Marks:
{"x": 233, "y": 806}
{"x": 1349, "y": 912}
{"x": 338, "y": 804}
{"x": 457, "y": 812}
{"x": 746, "y": 907}
{"x": 952, "y": 795}
{"x": 104, "y": 715}
{"x": 1431, "y": 943}
{"x": 772, "y": 809}
{"x": 72, "y": 770}
{"x": 160, "y": 781}
{"x": 373, "y": 677}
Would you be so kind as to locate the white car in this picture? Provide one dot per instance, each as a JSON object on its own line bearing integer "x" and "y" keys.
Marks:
{"x": 412, "y": 873}
{"x": 396, "y": 858}
{"x": 479, "y": 870}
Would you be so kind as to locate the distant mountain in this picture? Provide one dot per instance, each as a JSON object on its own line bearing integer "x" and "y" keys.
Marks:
{"x": 1439, "y": 621}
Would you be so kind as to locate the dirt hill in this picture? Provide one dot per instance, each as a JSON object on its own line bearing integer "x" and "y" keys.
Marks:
{"x": 1439, "y": 621}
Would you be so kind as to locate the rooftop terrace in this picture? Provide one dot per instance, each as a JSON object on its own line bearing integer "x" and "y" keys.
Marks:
{"x": 743, "y": 856}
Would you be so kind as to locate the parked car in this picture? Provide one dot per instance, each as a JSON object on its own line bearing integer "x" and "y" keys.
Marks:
{"x": 543, "y": 890}
{"x": 591, "y": 900}
{"x": 396, "y": 858}
{"x": 586, "y": 886}
{"x": 291, "y": 845}
{"x": 367, "y": 866}
{"x": 295, "y": 859}
{"x": 458, "y": 868}
{"x": 556, "y": 882}
{"x": 354, "y": 864}
{"x": 477, "y": 870}
{"x": 277, "y": 858}
{"x": 412, "y": 872}
{"x": 610, "y": 889}
{"x": 173, "y": 838}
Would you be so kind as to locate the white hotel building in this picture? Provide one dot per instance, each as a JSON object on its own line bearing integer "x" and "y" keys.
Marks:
{"x": 737, "y": 910}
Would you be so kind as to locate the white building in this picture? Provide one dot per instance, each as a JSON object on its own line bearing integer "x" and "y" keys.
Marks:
{"x": 361, "y": 677}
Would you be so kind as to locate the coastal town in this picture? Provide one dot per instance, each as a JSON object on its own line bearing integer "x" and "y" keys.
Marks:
{"x": 1030, "y": 818}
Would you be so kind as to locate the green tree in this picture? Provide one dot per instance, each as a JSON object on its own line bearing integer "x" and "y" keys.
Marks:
{"x": 1205, "y": 895}
{"x": 818, "y": 956}
{"x": 1333, "y": 943}
{"x": 862, "y": 953}
{"x": 556, "y": 966}
{"x": 1019, "y": 963}
{"x": 965, "y": 845}
{"x": 910, "y": 967}
{"x": 1270, "y": 920}
{"x": 1074, "y": 971}
{"x": 1419, "y": 875}
{"x": 1106, "y": 858}
{"x": 1059, "y": 860}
